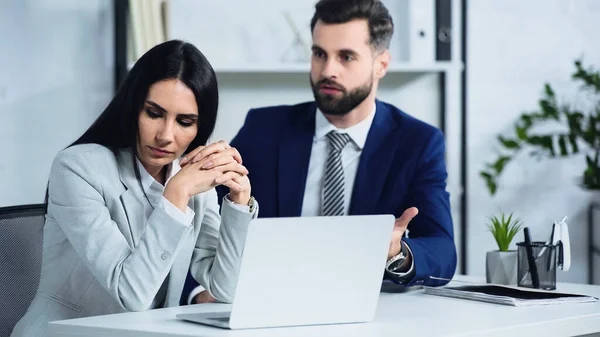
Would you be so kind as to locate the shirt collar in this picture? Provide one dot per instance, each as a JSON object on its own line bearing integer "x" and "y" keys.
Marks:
{"x": 148, "y": 180}
{"x": 358, "y": 132}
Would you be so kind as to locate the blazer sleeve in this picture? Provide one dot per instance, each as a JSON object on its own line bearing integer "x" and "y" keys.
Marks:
{"x": 218, "y": 251}
{"x": 431, "y": 237}
{"x": 131, "y": 275}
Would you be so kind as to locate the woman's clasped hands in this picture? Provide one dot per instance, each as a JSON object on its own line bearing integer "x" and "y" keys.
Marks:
{"x": 206, "y": 167}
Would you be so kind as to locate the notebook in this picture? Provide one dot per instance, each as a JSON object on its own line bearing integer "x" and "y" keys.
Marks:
{"x": 507, "y": 295}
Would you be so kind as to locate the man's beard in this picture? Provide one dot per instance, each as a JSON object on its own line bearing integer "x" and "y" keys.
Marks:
{"x": 330, "y": 105}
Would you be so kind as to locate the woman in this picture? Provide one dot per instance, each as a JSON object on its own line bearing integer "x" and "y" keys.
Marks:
{"x": 125, "y": 221}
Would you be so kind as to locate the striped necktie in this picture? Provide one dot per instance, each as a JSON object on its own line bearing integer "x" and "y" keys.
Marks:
{"x": 333, "y": 188}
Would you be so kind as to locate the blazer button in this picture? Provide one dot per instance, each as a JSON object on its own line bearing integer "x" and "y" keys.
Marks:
{"x": 165, "y": 255}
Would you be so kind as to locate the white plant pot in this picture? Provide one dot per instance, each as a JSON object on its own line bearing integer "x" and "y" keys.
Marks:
{"x": 501, "y": 267}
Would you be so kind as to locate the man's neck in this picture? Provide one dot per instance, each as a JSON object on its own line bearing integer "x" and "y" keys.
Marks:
{"x": 357, "y": 115}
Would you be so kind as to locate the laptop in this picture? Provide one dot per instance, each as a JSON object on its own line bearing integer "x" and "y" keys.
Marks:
{"x": 307, "y": 271}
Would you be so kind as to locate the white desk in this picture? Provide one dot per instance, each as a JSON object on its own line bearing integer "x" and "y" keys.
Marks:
{"x": 403, "y": 314}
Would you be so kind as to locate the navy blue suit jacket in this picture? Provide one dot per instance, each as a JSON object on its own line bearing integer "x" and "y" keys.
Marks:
{"x": 401, "y": 165}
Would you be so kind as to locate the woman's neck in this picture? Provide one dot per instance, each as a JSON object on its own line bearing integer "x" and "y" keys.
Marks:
{"x": 158, "y": 173}
{"x": 161, "y": 177}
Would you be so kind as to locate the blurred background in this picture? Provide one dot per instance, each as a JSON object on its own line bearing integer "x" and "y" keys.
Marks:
{"x": 495, "y": 76}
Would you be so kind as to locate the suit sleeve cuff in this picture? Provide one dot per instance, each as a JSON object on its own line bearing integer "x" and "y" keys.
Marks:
{"x": 183, "y": 217}
{"x": 410, "y": 270}
{"x": 194, "y": 292}
{"x": 239, "y": 207}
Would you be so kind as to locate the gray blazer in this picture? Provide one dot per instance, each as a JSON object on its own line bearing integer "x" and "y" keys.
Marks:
{"x": 100, "y": 255}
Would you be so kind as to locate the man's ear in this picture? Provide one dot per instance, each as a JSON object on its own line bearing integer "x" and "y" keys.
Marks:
{"x": 382, "y": 62}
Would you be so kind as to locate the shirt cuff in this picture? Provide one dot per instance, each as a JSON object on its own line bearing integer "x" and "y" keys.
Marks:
{"x": 242, "y": 208}
{"x": 183, "y": 217}
{"x": 410, "y": 270}
{"x": 193, "y": 293}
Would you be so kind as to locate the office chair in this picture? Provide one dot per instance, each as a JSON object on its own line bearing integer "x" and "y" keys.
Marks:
{"x": 21, "y": 233}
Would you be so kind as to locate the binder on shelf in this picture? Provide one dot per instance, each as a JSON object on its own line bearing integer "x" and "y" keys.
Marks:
{"x": 422, "y": 31}
{"x": 443, "y": 28}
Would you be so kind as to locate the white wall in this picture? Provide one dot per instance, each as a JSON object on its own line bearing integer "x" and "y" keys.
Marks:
{"x": 55, "y": 78}
{"x": 514, "y": 47}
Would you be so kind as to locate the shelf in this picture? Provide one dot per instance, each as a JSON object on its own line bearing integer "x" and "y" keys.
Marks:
{"x": 289, "y": 68}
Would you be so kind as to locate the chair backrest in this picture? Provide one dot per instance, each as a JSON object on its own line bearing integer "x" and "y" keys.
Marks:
{"x": 21, "y": 236}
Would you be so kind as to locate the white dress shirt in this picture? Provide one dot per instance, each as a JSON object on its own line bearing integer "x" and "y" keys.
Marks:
{"x": 154, "y": 191}
{"x": 313, "y": 193}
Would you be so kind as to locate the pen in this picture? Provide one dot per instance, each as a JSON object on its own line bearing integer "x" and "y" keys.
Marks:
{"x": 552, "y": 251}
{"x": 530, "y": 259}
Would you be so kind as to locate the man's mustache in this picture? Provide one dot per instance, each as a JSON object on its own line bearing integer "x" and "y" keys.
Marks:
{"x": 331, "y": 84}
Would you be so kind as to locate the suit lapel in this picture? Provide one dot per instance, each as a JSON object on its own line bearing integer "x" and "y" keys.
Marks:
{"x": 294, "y": 156}
{"x": 133, "y": 201}
{"x": 132, "y": 198}
{"x": 375, "y": 161}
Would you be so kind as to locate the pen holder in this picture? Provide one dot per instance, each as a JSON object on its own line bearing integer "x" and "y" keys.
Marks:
{"x": 544, "y": 256}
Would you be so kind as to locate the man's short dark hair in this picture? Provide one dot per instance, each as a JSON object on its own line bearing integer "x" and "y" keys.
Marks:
{"x": 381, "y": 26}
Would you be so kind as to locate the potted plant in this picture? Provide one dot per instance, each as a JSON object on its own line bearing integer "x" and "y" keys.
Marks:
{"x": 580, "y": 124}
{"x": 501, "y": 264}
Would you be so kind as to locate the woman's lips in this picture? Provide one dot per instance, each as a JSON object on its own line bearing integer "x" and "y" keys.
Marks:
{"x": 159, "y": 152}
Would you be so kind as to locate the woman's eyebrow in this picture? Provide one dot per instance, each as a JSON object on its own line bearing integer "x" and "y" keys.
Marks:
{"x": 157, "y": 106}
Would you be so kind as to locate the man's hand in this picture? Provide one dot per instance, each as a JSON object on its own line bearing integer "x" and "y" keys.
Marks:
{"x": 203, "y": 297}
{"x": 399, "y": 229}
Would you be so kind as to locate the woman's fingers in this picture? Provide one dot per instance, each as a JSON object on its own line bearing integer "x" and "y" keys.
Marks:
{"x": 203, "y": 151}
{"x": 209, "y": 150}
{"x": 227, "y": 177}
{"x": 220, "y": 158}
{"x": 233, "y": 186}
{"x": 186, "y": 159}
{"x": 230, "y": 152}
{"x": 232, "y": 167}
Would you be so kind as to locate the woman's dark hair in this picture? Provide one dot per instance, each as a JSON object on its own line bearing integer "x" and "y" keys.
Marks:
{"x": 381, "y": 25}
{"x": 117, "y": 126}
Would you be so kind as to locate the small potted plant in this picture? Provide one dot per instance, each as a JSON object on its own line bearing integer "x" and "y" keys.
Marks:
{"x": 501, "y": 264}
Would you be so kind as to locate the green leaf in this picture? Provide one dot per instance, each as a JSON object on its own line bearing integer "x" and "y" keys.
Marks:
{"x": 590, "y": 162}
{"x": 573, "y": 141}
{"x": 575, "y": 121}
{"x": 504, "y": 229}
{"x": 562, "y": 144}
{"x": 527, "y": 121}
{"x": 521, "y": 132}
{"x": 489, "y": 181}
{"x": 508, "y": 143}
{"x": 548, "y": 90}
{"x": 492, "y": 187}
{"x": 485, "y": 175}
{"x": 548, "y": 109}
{"x": 500, "y": 163}
{"x": 544, "y": 142}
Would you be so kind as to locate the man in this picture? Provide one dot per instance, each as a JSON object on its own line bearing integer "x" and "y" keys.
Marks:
{"x": 349, "y": 153}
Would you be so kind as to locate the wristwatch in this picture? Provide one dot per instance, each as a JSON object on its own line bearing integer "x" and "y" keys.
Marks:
{"x": 398, "y": 263}
{"x": 252, "y": 204}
